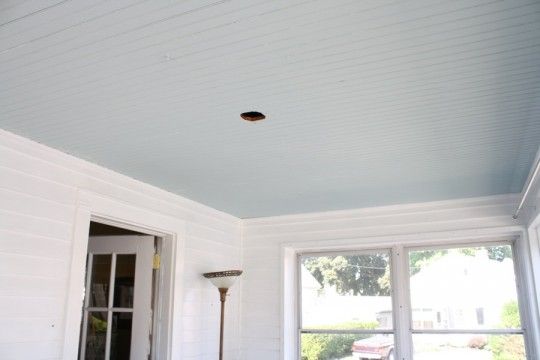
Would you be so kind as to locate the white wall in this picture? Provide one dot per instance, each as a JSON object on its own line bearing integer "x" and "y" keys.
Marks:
{"x": 264, "y": 239}
{"x": 39, "y": 189}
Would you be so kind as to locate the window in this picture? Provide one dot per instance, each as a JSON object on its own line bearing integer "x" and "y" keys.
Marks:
{"x": 346, "y": 306}
{"x": 474, "y": 289}
{"x": 460, "y": 303}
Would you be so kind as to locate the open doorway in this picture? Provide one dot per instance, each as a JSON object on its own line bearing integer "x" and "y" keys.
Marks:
{"x": 121, "y": 294}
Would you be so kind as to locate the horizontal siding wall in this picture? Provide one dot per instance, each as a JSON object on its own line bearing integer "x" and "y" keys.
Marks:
{"x": 265, "y": 237}
{"x": 38, "y": 196}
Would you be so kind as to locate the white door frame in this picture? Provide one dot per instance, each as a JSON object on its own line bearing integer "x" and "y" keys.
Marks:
{"x": 94, "y": 207}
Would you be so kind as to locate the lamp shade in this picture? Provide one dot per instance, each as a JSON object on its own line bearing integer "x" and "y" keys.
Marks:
{"x": 223, "y": 279}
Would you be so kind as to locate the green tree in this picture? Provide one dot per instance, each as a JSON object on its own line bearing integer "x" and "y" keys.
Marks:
{"x": 500, "y": 253}
{"x": 510, "y": 315}
{"x": 508, "y": 347}
{"x": 419, "y": 259}
{"x": 356, "y": 274}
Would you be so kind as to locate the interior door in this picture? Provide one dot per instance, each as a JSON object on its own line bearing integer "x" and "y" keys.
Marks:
{"x": 117, "y": 311}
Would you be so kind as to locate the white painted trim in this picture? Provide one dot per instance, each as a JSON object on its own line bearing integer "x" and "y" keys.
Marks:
{"x": 75, "y": 289}
{"x": 398, "y": 244}
{"x": 401, "y": 304}
{"x": 535, "y": 223}
{"x": 527, "y": 300}
{"x": 508, "y": 200}
{"x": 534, "y": 252}
{"x": 531, "y": 251}
{"x": 414, "y": 239}
{"x": 94, "y": 206}
{"x": 289, "y": 305}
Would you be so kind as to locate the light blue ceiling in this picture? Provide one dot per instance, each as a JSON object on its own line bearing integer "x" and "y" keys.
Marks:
{"x": 367, "y": 102}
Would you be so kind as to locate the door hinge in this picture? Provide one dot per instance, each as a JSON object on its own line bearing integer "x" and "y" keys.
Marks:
{"x": 156, "y": 262}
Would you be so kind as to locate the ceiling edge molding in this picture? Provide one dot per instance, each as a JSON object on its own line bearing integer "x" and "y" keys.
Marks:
{"x": 505, "y": 204}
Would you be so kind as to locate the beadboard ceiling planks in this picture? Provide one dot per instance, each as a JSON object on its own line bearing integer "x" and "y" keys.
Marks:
{"x": 367, "y": 102}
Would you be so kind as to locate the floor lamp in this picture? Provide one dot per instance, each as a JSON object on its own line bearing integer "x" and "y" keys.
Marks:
{"x": 223, "y": 280}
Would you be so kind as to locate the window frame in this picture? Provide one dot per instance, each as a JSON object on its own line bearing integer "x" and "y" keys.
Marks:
{"x": 400, "y": 289}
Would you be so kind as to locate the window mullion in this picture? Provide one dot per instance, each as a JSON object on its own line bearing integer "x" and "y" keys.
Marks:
{"x": 401, "y": 303}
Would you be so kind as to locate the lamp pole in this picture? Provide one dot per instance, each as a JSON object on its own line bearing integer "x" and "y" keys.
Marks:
{"x": 222, "y": 298}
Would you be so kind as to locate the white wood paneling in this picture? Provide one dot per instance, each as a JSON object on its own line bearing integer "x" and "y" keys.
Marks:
{"x": 38, "y": 198}
{"x": 266, "y": 238}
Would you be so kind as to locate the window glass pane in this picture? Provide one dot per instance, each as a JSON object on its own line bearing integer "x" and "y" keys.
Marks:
{"x": 100, "y": 280}
{"x": 346, "y": 291}
{"x": 347, "y": 346}
{"x": 468, "y": 347}
{"x": 124, "y": 281}
{"x": 463, "y": 288}
{"x": 96, "y": 335}
{"x": 121, "y": 335}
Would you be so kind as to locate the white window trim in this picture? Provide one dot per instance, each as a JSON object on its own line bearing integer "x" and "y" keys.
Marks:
{"x": 398, "y": 244}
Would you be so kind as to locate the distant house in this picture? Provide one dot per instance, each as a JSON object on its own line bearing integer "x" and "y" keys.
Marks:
{"x": 461, "y": 291}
